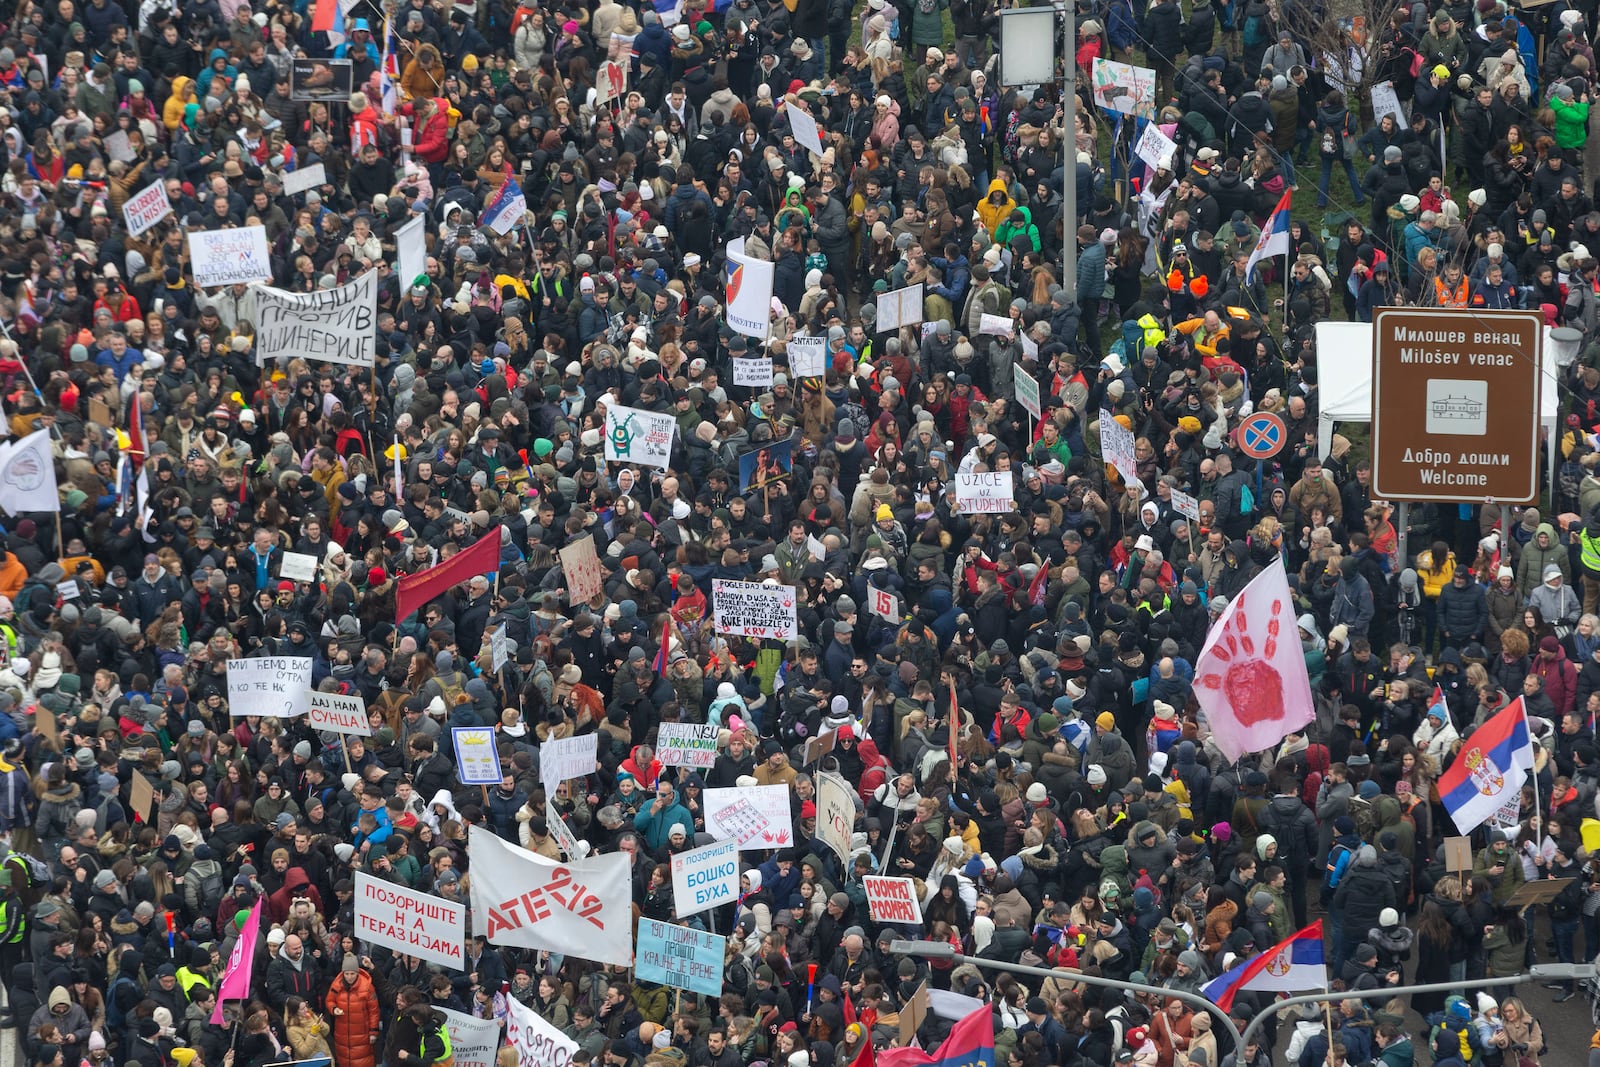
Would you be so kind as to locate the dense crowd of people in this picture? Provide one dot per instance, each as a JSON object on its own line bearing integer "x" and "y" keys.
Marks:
{"x": 1020, "y": 730}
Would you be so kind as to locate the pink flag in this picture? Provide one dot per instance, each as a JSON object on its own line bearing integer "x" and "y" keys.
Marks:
{"x": 1251, "y": 677}
{"x": 236, "y": 976}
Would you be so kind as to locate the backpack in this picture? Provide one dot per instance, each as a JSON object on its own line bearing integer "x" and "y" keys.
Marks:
{"x": 114, "y": 1011}
{"x": 1338, "y": 863}
{"x": 1255, "y": 31}
{"x": 208, "y": 894}
{"x": 452, "y": 687}
{"x": 1247, "y": 501}
{"x": 1365, "y": 815}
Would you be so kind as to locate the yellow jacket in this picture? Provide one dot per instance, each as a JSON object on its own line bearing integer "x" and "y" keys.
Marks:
{"x": 992, "y": 214}
{"x": 172, "y": 110}
{"x": 1433, "y": 582}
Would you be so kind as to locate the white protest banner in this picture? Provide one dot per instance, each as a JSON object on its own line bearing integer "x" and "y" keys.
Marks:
{"x": 28, "y": 475}
{"x": 562, "y": 832}
{"x": 302, "y": 178}
{"x": 335, "y": 325}
{"x": 580, "y": 566}
{"x": 758, "y": 817}
{"x": 634, "y": 435}
{"x": 756, "y": 373}
{"x": 891, "y": 900}
{"x": 144, "y": 210}
{"x": 582, "y": 908}
{"x": 69, "y": 589}
{"x": 274, "y": 686}
{"x": 411, "y": 250}
{"x": 562, "y": 758}
{"x": 538, "y": 1043}
{"x": 501, "y": 649}
{"x": 1385, "y": 101}
{"x": 1027, "y": 387}
{"x": 473, "y": 1042}
{"x": 611, "y": 82}
{"x": 223, "y": 257}
{"x": 1186, "y": 505}
{"x": 1116, "y": 447}
{"x": 679, "y": 956}
{"x": 749, "y": 292}
{"x": 417, "y": 924}
{"x": 884, "y": 604}
{"x": 903, "y": 307}
{"x": 705, "y": 877}
{"x": 298, "y": 567}
{"x": 687, "y": 744}
{"x": 477, "y": 757}
{"x": 806, "y": 134}
{"x": 1153, "y": 146}
{"x": 818, "y": 550}
{"x": 996, "y": 325}
{"x": 750, "y": 609}
{"x": 988, "y": 493}
{"x": 808, "y": 357}
{"x": 119, "y": 147}
{"x": 836, "y": 815}
{"x": 338, "y": 712}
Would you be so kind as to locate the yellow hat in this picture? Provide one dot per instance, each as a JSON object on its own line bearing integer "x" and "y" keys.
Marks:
{"x": 1106, "y": 721}
{"x": 469, "y": 63}
{"x": 183, "y": 1057}
{"x": 883, "y": 513}
{"x": 1189, "y": 424}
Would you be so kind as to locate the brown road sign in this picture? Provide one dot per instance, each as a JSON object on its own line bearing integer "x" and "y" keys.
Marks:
{"x": 1455, "y": 405}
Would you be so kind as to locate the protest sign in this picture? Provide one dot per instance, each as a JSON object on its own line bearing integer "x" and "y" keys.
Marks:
{"x": 274, "y": 686}
{"x": 119, "y": 146}
{"x": 988, "y": 493}
{"x": 321, "y": 79}
{"x": 298, "y": 567}
{"x": 891, "y": 900}
{"x": 1116, "y": 447}
{"x": 750, "y": 609}
{"x": 69, "y": 589}
{"x": 501, "y": 649}
{"x": 836, "y": 815}
{"x": 1186, "y": 505}
{"x": 562, "y": 832}
{"x": 335, "y": 325}
{"x": 634, "y": 435}
{"x": 680, "y": 957}
{"x": 44, "y": 724}
{"x": 338, "y": 712}
{"x": 473, "y": 1042}
{"x": 477, "y": 760}
{"x": 913, "y": 1014}
{"x": 903, "y": 307}
{"x": 302, "y": 178}
{"x": 417, "y": 924}
{"x": 580, "y": 566}
{"x": 1385, "y": 101}
{"x": 884, "y": 604}
{"x": 818, "y": 550}
{"x": 754, "y": 373}
{"x": 1124, "y": 88}
{"x": 996, "y": 325}
{"x": 769, "y": 463}
{"x": 687, "y": 744}
{"x": 757, "y": 818}
{"x": 149, "y": 207}
{"x": 223, "y": 257}
{"x": 705, "y": 877}
{"x": 610, "y": 83}
{"x": 411, "y": 249}
{"x": 538, "y": 1043}
{"x": 808, "y": 357}
{"x": 141, "y": 794}
{"x": 819, "y": 746}
{"x": 749, "y": 292}
{"x": 562, "y": 758}
{"x": 1153, "y": 146}
{"x": 806, "y": 134}
{"x": 1027, "y": 387}
{"x": 582, "y": 908}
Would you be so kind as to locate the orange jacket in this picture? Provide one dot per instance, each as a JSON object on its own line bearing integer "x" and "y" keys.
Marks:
{"x": 354, "y": 1031}
{"x": 12, "y": 575}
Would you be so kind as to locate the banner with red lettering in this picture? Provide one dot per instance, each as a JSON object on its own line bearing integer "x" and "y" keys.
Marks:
{"x": 415, "y": 590}
{"x": 418, "y": 924}
{"x": 583, "y": 908}
{"x": 892, "y": 900}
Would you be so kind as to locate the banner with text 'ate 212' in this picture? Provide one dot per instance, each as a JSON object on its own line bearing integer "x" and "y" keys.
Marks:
{"x": 583, "y": 908}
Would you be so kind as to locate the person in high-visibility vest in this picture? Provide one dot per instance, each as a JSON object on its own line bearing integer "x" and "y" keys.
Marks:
{"x": 13, "y": 924}
{"x": 433, "y": 1050}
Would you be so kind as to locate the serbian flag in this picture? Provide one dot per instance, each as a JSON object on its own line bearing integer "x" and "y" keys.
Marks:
{"x": 136, "y": 448}
{"x": 241, "y": 961}
{"x": 1274, "y": 240}
{"x": 505, "y": 208}
{"x": 1488, "y": 771}
{"x": 1293, "y": 964}
{"x": 415, "y": 590}
{"x": 970, "y": 1044}
{"x": 327, "y": 16}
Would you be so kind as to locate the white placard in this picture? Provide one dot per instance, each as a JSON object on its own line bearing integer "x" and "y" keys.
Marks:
{"x": 340, "y": 713}
{"x": 417, "y": 924}
{"x": 146, "y": 208}
{"x": 477, "y": 755}
{"x": 119, "y": 147}
{"x": 903, "y": 307}
{"x": 805, "y": 130}
{"x": 989, "y": 493}
{"x": 687, "y": 744}
{"x": 758, "y": 818}
{"x": 298, "y": 567}
{"x": 1027, "y": 387}
{"x": 884, "y": 604}
{"x": 273, "y": 686}
{"x": 996, "y": 325}
{"x": 1153, "y": 146}
{"x": 562, "y": 758}
{"x": 705, "y": 877}
{"x": 68, "y": 590}
{"x": 749, "y": 292}
{"x": 582, "y": 908}
{"x": 580, "y": 567}
{"x": 892, "y": 900}
{"x": 750, "y": 609}
{"x": 303, "y": 178}
{"x": 411, "y": 251}
{"x": 562, "y": 832}
{"x": 818, "y": 550}
{"x": 538, "y": 1043}
{"x": 634, "y": 435}
{"x": 335, "y": 325}
{"x": 1385, "y": 101}
{"x": 501, "y": 649}
{"x": 836, "y": 815}
{"x": 1186, "y": 505}
{"x": 1116, "y": 447}
{"x": 808, "y": 357}
{"x": 756, "y": 373}
{"x": 473, "y": 1042}
{"x": 223, "y": 257}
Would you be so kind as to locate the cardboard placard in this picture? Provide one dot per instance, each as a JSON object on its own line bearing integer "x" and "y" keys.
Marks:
{"x": 142, "y": 796}
{"x": 1458, "y": 854}
{"x": 912, "y": 1014}
{"x": 44, "y": 722}
{"x": 819, "y": 746}
{"x": 1538, "y": 892}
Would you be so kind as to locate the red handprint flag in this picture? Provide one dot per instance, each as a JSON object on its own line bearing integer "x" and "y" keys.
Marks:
{"x": 1251, "y": 677}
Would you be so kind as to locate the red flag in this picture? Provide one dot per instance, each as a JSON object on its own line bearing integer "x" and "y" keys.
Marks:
{"x": 849, "y": 1009}
{"x": 864, "y": 1057}
{"x": 136, "y": 449}
{"x": 323, "y": 15}
{"x": 955, "y": 731}
{"x": 415, "y": 590}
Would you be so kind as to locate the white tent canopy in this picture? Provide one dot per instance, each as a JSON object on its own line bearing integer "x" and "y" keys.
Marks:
{"x": 1344, "y": 377}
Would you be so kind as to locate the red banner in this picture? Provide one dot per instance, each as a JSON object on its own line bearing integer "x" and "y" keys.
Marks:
{"x": 415, "y": 590}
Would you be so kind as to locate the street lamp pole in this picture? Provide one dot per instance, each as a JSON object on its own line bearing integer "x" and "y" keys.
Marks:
{"x": 1069, "y": 157}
